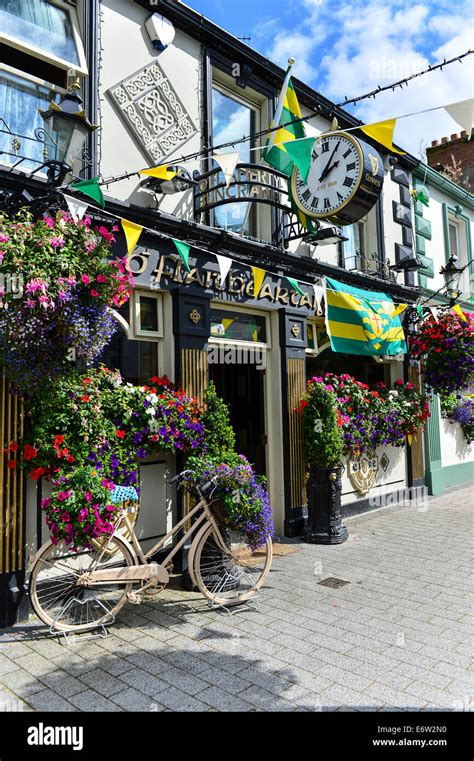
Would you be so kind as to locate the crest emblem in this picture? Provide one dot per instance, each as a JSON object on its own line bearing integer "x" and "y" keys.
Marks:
{"x": 374, "y": 163}
{"x": 376, "y": 326}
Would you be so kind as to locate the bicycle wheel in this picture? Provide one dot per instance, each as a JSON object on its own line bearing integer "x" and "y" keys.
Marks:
{"x": 231, "y": 577}
{"x": 59, "y": 600}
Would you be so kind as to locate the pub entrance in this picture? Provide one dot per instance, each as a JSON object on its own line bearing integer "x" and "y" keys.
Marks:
{"x": 241, "y": 387}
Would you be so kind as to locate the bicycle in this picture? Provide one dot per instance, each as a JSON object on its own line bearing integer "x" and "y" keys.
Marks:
{"x": 77, "y": 591}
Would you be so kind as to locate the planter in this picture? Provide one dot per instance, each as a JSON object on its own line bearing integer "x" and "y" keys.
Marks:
{"x": 324, "y": 489}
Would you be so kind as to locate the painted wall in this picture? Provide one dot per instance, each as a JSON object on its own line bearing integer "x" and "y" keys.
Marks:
{"x": 454, "y": 448}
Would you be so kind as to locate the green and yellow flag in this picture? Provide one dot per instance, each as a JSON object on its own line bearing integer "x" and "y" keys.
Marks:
{"x": 287, "y": 109}
{"x": 362, "y": 322}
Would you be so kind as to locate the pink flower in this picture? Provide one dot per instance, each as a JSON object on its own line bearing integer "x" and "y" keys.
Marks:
{"x": 106, "y": 234}
{"x": 85, "y": 279}
{"x": 2, "y": 254}
{"x": 88, "y": 496}
{"x": 101, "y": 279}
{"x": 46, "y": 502}
{"x": 83, "y": 513}
{"x": 63, "y": 495}
{"x": 48, "y": 221}
{"x": 4, "y": 238}
{"x": 94, "y": 292}
{"x": 57, "y": 242}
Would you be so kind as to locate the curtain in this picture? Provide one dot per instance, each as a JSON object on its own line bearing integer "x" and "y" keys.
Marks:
{"x": 19, "y": 103}
{"x": 41, "y": 24}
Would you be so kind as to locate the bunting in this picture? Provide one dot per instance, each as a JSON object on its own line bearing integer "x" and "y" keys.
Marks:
{"x": 382, "y": 132}
{"x": 90, "y": 188}
{"x": 183, "y": 250}
{"x": 399, "y": 309}
{"x": 77, "y": 208}
{"x": 275, "y": 152}
{"x": 161, "y": 172}
{"x": 463, "y": 114}
{"x": 225, "y": 263}
{"x": 295, "y": 285}
{"x": 459, "y": 312}
{"x": 132, "y": 233}
{"x": 319, "y": 292}
{"x": 227, "y": 162}
{"x": 258, "y": 278}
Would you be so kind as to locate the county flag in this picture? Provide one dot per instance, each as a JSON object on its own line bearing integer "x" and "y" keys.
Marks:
{"x": 362, "y": 322}
{"x": 288, "y": 109}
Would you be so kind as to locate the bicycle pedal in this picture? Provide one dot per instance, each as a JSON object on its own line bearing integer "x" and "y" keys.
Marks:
{"x": 134, "y": 598}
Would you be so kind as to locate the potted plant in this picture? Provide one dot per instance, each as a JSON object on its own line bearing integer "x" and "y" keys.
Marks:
{"x": 324, "y": 452}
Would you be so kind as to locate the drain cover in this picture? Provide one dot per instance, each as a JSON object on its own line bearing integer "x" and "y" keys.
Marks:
{"x": 332, "y": 582}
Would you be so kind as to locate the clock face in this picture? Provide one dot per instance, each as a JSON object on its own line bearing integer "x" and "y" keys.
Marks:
{"x": 334, "y": 176}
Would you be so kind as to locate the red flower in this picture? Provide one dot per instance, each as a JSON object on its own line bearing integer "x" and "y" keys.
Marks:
{"x": 13, "y": 446}
{"x": 57, "y": 441}
{"x": 85, "y": 381}
{"x": 36, "y": 474}
{"x": 85, "y": 398}
{"x": 120, "y": 434}
{"x": 29, "y": 452}
{"x": 11, "y": 464}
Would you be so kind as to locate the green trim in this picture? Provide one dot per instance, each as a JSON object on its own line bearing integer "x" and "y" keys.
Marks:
{"x": 422, "y": 280}
{"x": 428, "y": 265}
{"x": 420, "y": 245}
{"x": 439, "y": 479}
{"x": 430, "y": 176}
{"x": 423, "y": 227}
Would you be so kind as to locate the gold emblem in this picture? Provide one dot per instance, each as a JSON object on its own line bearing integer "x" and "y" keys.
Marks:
{"x": 295, "y": 329}
{"x": 195, "y": 316}
{"x": 362, "y": 472}
{"x": 374, "y": 162}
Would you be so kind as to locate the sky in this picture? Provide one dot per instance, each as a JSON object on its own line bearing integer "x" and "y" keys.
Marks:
{"x": 349, "y": 47}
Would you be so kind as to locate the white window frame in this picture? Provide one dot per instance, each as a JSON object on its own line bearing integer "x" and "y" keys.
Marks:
{"x": 80, "y": 68}
{"x": 216, "y": 304}
{"x": 317, "y": 349}
{"x": 138, "y": 333}
{"x": 130, "y": 332}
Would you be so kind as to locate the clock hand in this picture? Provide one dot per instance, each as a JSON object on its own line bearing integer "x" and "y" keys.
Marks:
{"x": 325, "y": 171}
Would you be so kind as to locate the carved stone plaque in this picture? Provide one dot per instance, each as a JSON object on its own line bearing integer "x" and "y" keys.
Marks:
{"x": 362, "y": 472}
{"x": 150, "y": 107}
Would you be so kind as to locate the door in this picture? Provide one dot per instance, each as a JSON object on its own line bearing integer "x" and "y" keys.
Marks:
{"x": 241, "y": 387}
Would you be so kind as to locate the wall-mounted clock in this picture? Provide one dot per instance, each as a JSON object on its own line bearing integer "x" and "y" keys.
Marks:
{"x": 344, "y": 181}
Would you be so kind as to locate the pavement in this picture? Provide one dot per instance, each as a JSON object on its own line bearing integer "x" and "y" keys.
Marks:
{"x": 398, "y": 635}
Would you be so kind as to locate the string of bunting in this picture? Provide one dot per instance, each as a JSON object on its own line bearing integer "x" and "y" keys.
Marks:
{"x": 382, "y": 132}
{"x": 133, "y": 231}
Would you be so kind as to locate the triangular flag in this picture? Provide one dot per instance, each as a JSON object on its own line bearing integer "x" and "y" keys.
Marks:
{"x": 295, "y": 285}
{"x": 287, "y": 110}
{"x": 399, "y": 309}
{"x": 300, "y": 152}
{"x": 459, "y": 312}
{"x": 161, "y": 172}
{"x": 463, "y": 113}
{"x": 90, "y": 188}
{"x": 434, "y": 312}
{"x": 258, "y": 278}
{"x": 419, "y": 309}
{"x": 421, "y": 194}
{"x": 225, "y": 263}
{"x": 382, "y": 132}
{"x": 132, "y": 234}
{"x": 77, "y": 208}
{"x": 183, "y": 251}
{"x": 319, "y": 291}
{"x": 227, "y": 162}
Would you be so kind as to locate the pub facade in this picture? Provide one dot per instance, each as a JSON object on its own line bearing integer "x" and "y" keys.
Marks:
{"x": 163, "y": 83}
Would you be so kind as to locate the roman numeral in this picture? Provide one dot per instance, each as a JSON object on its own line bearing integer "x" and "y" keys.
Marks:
{"x": 347, "y": 153}
{"x": 326, "y": 203}
{"x": 315, "y": 201}
{"x": 341, "y": 198}
{"x": 306, "y": 195}
{"x": 350, "y": 166}
{"x": 325, "y": 147}
{"x": 348, "y": 181}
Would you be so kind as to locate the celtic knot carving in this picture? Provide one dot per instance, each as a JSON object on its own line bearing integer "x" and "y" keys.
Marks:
{"x": 149, "y": 105}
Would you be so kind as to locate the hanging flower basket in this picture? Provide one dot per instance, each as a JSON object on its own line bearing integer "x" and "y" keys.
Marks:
{"x": 58, "y": 283}
{"x": 446, "y": 350}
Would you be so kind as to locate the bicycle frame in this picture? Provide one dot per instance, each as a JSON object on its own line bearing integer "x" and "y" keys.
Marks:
{"x": 145, "y": 570}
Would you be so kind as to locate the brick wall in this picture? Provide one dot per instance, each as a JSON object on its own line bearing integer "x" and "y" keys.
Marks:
{"x": 441, "y": 153}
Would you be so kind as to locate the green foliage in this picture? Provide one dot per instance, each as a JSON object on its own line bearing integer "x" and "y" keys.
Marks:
{"x": 322, "y": 436}
{"x": 219, "y": 436}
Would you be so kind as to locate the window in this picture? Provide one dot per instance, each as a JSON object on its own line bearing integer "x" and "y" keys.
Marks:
{"x": 20, "y": 100}
{"x": 353, "y": 249}
{"x": 458, "y": 243}
{"x": 232, "y": 117}
{"x": 45, "y": 28}
{"x": 238, "y": 326}
{"x": 129, "y": 351}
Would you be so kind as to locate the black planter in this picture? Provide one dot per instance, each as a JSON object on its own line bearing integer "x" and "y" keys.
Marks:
{"x": 324, "y": 507}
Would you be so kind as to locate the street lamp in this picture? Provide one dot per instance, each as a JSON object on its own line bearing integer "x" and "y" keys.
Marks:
{"x": 452, "y": 277}
{"x": 66, "y": 129}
